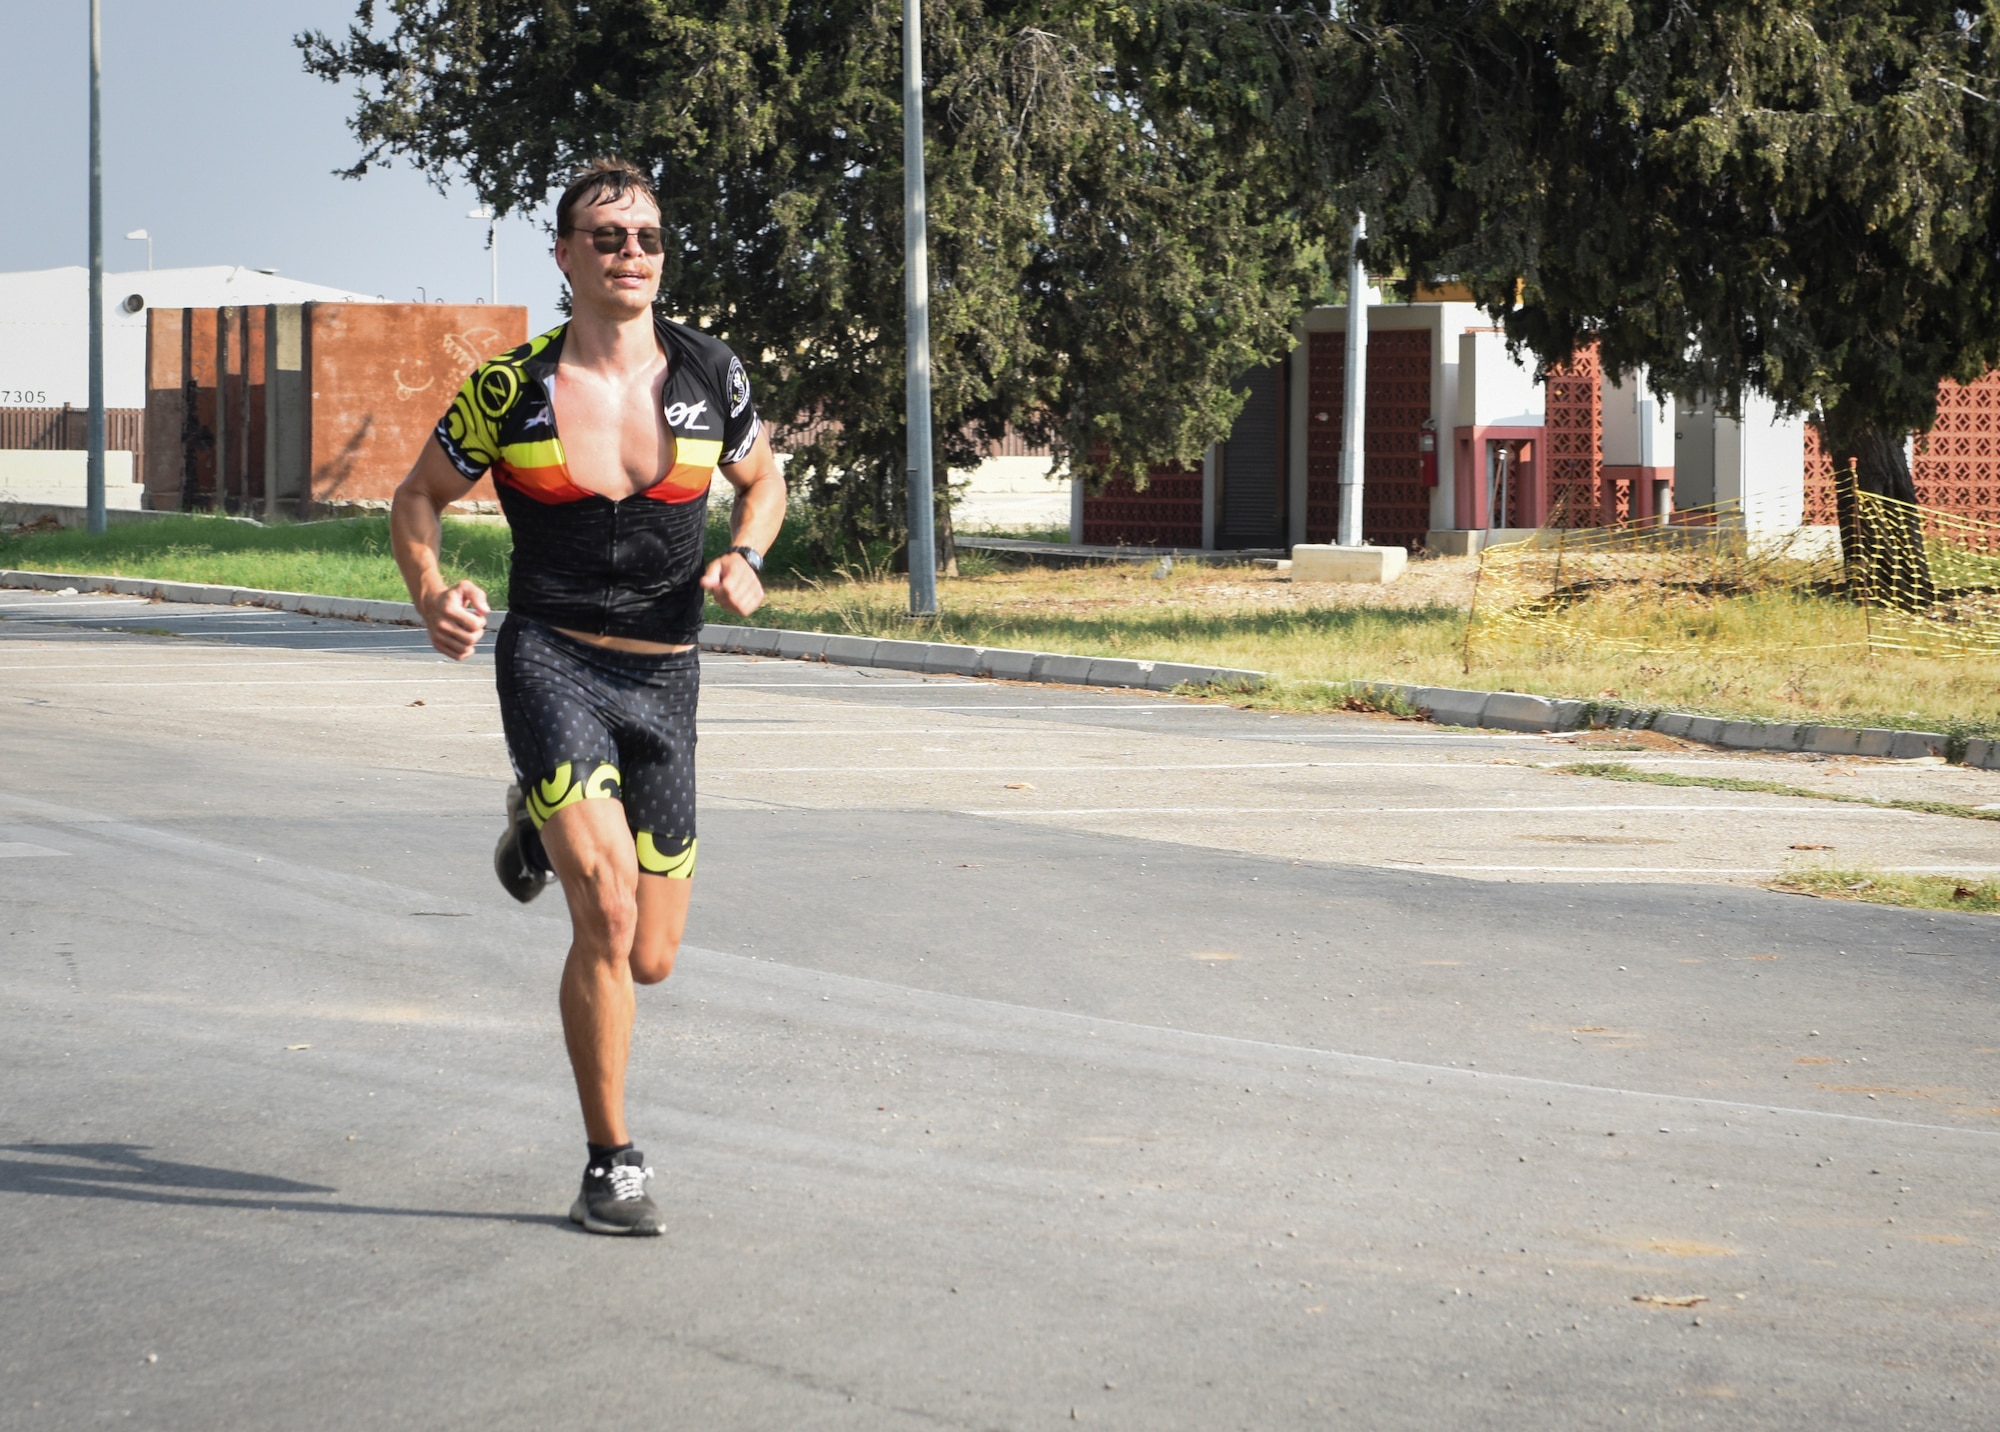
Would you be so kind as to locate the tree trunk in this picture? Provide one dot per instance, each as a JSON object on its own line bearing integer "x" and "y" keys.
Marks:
{"x": 947, "y": 541}
{"x": 1882, "y": 549}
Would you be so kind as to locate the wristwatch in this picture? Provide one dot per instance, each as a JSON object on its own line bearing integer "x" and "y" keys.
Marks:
{"x": 752, "y": 556}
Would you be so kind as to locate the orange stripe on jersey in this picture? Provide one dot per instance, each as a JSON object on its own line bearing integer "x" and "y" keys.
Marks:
{"x": 543, "y": 484}
{"x": 684, "y": 482}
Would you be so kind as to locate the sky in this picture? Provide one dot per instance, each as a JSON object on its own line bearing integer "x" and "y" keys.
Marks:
{"x": 218, "y": 143}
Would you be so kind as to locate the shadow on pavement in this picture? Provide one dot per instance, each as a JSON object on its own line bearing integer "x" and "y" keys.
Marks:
{"x": 125, "y": 1171}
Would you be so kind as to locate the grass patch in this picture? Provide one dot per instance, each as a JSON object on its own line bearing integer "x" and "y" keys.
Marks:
{"x": 347, "y": 558}
{"x": 1312, "y": 639}
{"x": 1879, "y": 887}
{"x": 1619, "y": 771}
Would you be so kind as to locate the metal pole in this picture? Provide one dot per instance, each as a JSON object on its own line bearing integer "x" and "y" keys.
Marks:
{"x": 221, "y": 429}
{"x": 93, "y": 481}
{"x": 916, "y": 266}
{"x": 1355, "y": 416}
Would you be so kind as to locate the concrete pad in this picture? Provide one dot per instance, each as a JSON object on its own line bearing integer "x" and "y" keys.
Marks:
{"x": 1324, "y": 563}
{"x": 1455, "y": 542}
{"x": 1982, "y": 753}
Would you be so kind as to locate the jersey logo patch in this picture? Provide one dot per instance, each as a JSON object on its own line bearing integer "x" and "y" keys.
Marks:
{"x": 683, "y": 415}
{"x": 739, "y": 388}
{"x": 495, "y": 387}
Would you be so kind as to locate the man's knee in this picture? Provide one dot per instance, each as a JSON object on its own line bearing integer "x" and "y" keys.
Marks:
{"x": 605, "y": 908}
{"x": 653, "y": 958}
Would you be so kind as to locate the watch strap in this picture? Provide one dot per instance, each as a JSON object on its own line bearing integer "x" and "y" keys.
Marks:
{"x": 752, "y": 556}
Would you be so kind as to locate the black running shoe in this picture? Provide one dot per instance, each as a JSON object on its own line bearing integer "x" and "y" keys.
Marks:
{"x": 614, "y": 1198}
{"x": 519, "y": 860}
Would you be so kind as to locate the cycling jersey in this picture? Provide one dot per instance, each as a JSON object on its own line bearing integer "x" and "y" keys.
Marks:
{"x": 630, "y": 568}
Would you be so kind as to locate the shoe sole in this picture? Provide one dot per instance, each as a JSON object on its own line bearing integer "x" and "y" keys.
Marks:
{"x": 579, "y": 1214}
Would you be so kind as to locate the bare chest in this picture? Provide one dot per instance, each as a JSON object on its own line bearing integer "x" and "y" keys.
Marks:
{"x": 613, "y": 431}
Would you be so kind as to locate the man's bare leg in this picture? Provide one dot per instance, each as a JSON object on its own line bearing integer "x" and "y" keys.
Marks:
{"x": 625, "y": 930}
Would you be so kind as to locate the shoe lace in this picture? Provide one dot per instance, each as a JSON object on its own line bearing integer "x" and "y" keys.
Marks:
{"x": 628, "y": 1181}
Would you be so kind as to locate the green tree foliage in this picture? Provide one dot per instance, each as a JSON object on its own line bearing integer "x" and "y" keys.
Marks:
{"x": 1106, "y": 258}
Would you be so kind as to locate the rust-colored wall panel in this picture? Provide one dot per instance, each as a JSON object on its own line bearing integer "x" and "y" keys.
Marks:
{"x": 1166, "y": 514}
{"x": 198, "y": 409}
{"x": 1395, "y": 504}
{"x": 165, "y": 404}
{"x": 379, "y": 376}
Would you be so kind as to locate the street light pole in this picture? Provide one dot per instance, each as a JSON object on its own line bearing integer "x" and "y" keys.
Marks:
{"x": 1353, "y": 467}
{"x": 485, "y": 211}
{"x": 917, "y": 325}
{"x": 93, "y": 480}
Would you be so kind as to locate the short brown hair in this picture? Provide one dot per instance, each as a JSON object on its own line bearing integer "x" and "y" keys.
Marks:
{"x": 602, "y": 181}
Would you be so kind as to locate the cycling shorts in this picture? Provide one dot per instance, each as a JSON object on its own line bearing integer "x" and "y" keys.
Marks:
{"x": 584, "y": 723}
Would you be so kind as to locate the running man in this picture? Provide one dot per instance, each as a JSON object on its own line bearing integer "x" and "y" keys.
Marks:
{"x": 601, "y": 436}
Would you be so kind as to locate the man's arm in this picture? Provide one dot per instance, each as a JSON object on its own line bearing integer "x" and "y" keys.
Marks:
{"x": 754, "y": 521}
{"x": 455, "y": 616}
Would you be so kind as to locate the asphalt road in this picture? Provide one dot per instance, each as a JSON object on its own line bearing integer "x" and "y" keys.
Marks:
{"x": 1037, "y": 1056}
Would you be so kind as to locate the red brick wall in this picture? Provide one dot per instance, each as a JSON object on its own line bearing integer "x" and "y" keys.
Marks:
{"x": 379, "y": 376}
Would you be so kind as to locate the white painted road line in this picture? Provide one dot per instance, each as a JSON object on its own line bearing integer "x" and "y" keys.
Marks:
{"x": 1444, "y": 868}
{"x": 1109, "y": 768}
{"x": 257, "y": 681}
{"x": 1816, "y": 808}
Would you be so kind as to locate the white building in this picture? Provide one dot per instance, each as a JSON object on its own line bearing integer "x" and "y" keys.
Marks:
{"x": 45, "y": 325}
{"x": 1462, "y": 442}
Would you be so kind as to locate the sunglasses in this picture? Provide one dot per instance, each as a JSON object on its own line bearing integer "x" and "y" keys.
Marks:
{"x": 611, "y": 239}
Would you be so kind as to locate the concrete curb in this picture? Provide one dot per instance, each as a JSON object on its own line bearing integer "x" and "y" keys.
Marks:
{"x": 938, "y": 658}
{"x": 1446, "y": 705}
{"x": 1513, "y": 711}
{"x": 929, "y": 657}
{"x": 304, "y": 603}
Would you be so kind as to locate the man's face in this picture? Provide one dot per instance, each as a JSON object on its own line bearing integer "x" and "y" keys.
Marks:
{"x": 614, "y": 285}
